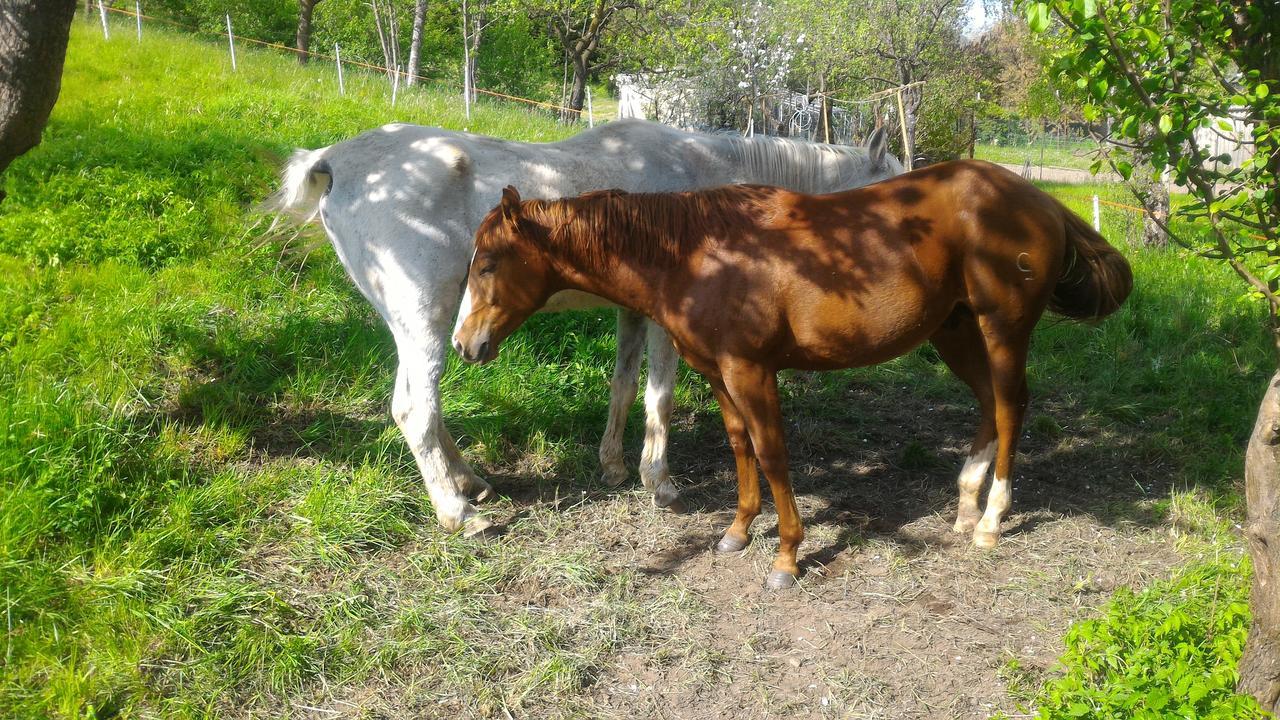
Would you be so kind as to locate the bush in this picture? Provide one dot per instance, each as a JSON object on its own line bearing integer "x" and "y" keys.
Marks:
{"x": 1169, "y": 652}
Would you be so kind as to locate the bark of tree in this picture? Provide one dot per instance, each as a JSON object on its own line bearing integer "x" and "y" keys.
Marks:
{"x": 33, "y": 45}
{"x": 305, "y": 10}
{"x": 581, "y": 44}
{"x": 1260, "y": 664}
{"x": 1157, "y": 216}
{"x": 415, "y": 41}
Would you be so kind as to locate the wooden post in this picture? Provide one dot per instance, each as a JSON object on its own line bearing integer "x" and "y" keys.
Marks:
{"x": 102, "y": 13}
{"x": 909, "y": 162}
{"x": 591, "y": 117}
{"x": 231, "y": 41}
{"x": 337, "y": 59}
{"x": 395, "y": 86}
{"x": 1097, "y": 215}
{"x": 137, "y": 15}
{"x": 826, "y": 123}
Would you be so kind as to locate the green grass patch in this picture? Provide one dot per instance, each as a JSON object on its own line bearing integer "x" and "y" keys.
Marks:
{"x": 1167, "y": 652}
{"x": 1077, "y": 155}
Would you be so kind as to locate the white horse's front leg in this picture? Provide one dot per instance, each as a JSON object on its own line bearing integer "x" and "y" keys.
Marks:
{"x": 415, "y": 405}
{"x": 658, "y": 396}
{"x": 622, "y": 393}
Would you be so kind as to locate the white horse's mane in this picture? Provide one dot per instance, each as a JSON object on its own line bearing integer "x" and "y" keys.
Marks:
{"x": 797, "y": 165}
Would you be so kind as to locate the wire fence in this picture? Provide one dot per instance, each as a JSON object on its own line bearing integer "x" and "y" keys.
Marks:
{"x": 397, "y": 76}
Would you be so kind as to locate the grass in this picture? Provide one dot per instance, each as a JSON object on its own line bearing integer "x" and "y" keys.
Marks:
{"x": 1068, "y": 154}
{"x": 205, "y": 511}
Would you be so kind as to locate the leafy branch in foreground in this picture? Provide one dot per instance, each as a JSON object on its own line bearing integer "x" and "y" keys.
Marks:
{"x": 1159, "y": 72}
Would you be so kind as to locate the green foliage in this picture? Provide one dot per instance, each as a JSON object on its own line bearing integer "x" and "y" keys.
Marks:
{"x": 1167, "y": 652}
{"x": 270, "y": 20}
{"x": 1161, "y": 70}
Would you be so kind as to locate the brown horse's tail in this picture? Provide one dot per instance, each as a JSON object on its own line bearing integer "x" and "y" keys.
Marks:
{"x": 1096, "y": 278}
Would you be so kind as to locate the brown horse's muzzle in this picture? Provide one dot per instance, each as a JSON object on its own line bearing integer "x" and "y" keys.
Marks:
{"x": 475, "y": 347}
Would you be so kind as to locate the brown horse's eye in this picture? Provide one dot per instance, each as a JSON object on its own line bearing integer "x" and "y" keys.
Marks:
{"x": 487, "y": 269}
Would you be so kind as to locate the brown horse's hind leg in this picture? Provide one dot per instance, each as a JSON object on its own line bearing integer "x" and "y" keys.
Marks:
{"x": 1007, "y": 355}
{"x": 754, "y": 391}
{"x": 737, "y": 537}
{"x": 960, "y": 343}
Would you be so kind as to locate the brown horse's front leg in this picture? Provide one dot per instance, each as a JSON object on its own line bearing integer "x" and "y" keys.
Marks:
{"x": 754, "y": 390}
{"x": 736, "y": 537}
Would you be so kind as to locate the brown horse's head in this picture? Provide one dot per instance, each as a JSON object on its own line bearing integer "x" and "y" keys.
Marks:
{"x": 506, "y": 282}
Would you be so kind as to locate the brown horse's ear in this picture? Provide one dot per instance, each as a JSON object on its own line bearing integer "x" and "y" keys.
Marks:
{"x": 510, "y": 204}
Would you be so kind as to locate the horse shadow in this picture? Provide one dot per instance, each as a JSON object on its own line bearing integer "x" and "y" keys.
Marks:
{"x": 873, "y": 451}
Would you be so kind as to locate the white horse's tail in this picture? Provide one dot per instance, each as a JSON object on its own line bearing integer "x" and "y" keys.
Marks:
{"x": 304, "y": 181}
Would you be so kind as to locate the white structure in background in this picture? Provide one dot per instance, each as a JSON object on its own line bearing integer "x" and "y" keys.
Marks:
{"x": 671, "y": 101}
{"x": 680, "y": 102}
{"x": 1236, "y": 142}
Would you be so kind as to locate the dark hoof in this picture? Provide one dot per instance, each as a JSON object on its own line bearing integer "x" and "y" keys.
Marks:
{"x": 731, "y": 544}
{"x": 613, "y": 478}
{"x": 779, "y": 580}
{"x": 674, "y": 505}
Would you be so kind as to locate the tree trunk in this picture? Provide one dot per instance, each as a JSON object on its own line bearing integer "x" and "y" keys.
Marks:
{"x": 1154, "y": 197}
{"x": 578, "y": 90}
{"x": 33, "y": 43}
{"x": 305, "y": 9}
{"x": 1260, "y": 665}
{"x": 1157, "y": 218}
{"x": 415, "y": 41}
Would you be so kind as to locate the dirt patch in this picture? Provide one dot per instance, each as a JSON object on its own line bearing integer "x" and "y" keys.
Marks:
{"x": 895, "y": 616}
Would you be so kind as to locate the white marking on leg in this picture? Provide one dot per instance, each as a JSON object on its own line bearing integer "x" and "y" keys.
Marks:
{"x": 987, "y": 533}
{"x": 658, "y": 394}
{"x": 972, "y": 477}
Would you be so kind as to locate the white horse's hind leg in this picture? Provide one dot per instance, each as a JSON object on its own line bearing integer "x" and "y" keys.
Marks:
{"x": 622, "y": 393}
{"x": 415, "y": 405}
{"x": 658, "y": 393}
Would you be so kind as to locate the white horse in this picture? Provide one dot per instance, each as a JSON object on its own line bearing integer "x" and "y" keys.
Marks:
{"x": 401, "y": 205}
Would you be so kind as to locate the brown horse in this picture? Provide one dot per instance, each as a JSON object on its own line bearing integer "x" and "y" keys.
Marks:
{"x": 749, "y": 280}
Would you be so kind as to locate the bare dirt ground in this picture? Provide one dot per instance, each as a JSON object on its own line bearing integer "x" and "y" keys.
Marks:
{"x": 895, "y": 616}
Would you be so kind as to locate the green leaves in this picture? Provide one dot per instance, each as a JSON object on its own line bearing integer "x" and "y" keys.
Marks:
{"x": 1038, "y": 16}
{"x": 1182, "y": 80}
{"x": 1169, "y": 652}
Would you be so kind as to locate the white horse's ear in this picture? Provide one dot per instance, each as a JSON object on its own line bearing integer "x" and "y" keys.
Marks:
{"x": 877, "y": 144}
{"x": 510, "y": 203}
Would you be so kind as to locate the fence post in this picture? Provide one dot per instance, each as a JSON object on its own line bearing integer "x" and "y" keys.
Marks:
{"x": 102, "y": 13}
{"x": 231, "y": 41}
{"x": 907, "y": 150}
{"x": 337, "y": 59}
{"x": 1097, "y": 215}
{"x": 137, "y": 15}
{"x": 395, "y": 85}
{"x": 591, "y": 117}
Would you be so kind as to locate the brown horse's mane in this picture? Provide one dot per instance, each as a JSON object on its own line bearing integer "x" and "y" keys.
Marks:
{"x": 599, "y": 229}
